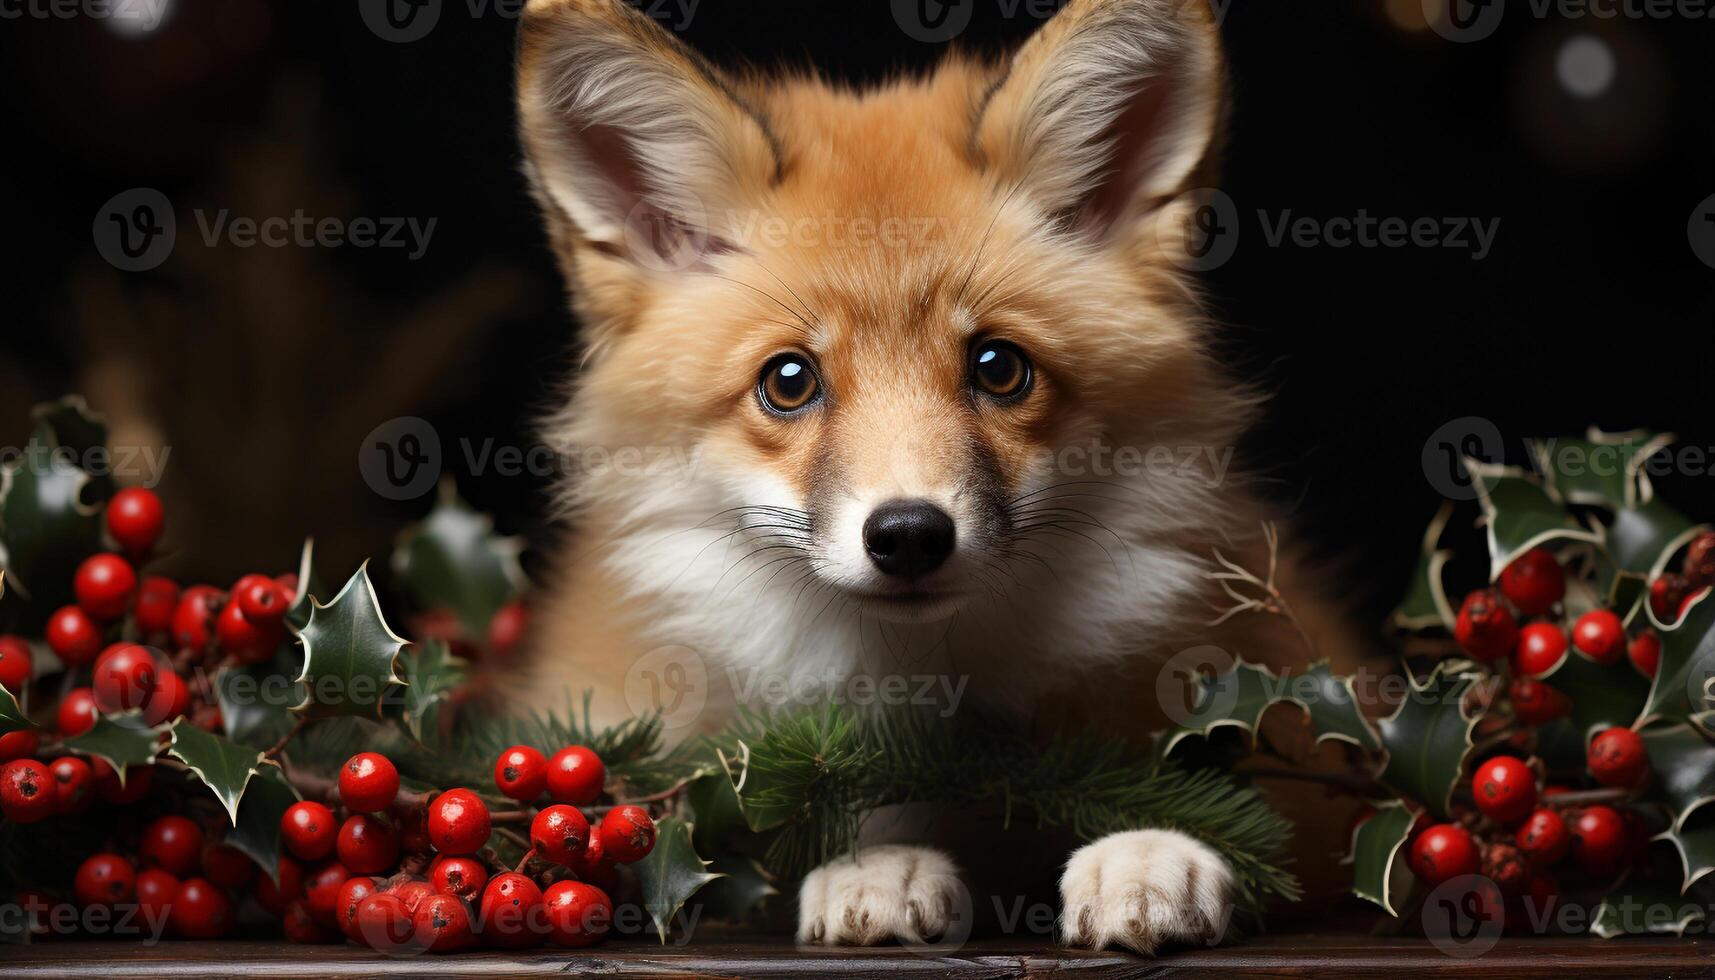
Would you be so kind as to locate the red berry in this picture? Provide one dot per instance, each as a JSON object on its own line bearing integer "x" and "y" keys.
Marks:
{"x": 1505, "y": 865}
{"x": 577, "y": 914}
{"x": 193, "y": 621}
{"x": 77, "y": 712}
{"x": 171, "y": 698}
{"x": 1645, "y": 652}
{"x": 261, "y": 600}
{"x": 627, "y": 834}
{"x": 350, "y": 898}
{"x": 1505, "y": 789}
{"x": 19, "y": 745}
{"x": 227, "y": 866}
{"x": 174, "y": 843}
{"x": 506, "y": 629}
{"x": 576, "y": 776}
{"x": 413, "y": 892}
{"x": 134, "y": 520}
{"x": 121, "y": 792}
{"x": 28, "y": 792}
{"x": 510, "y": 910}
{"x": 105, "y": 585}
{"x": 1599, "y": 840}
{"x": 276, "y": 896}
{"x": 123, "y": 678}
{"x": 1617, "y": 758}
{"x": 1667, "y": 596}
{"x": 558, "y": 833}
{"x": 1443, "y": 852}
{"x": 1534, "y": 702}
{"x": 243, "y": 639}
{"x": 201, "y": 910}
{"x": 1543, "y": 837}
{"x": 299, "y": 926}
{"x": 1485, "y": 629}
{"x": 441, "y": 924}
{"x": 368, "y": 782}
{"x": 368, "y": 845}
{"x": 384, "y": 923}
{"x": 73, "y": 636}
{"x": 157, "y": 600}
{"x": 1534, "y": 582}
{"x": 592, "y": 865}
{"x": 458, "y": 875}
{"x": 74, "y": 784}
{"x": 1699, "y": 565}
{"x": 521, "y": 773}
{"x": 1599, "y": 635}
{"x": 458, "y": 822}
{"x": 155, "y": 890}
{"x": 308, "y": 830}
{"x": 321, "y": 891}
{"x": 1540, "y": 647}
{"x": 104, "y": 879}
{"x": 16, "y": 667}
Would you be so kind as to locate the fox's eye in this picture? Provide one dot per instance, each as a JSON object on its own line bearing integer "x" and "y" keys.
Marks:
{"x": 1000, "y": 370}
{"x": 788, "y": 385}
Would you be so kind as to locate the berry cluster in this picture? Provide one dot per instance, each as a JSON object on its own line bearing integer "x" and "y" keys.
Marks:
{"x": 1515, "y": 830}
{"x": 405, "y": 871}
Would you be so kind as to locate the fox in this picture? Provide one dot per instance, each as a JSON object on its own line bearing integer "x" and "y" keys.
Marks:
{"x": 931, "y": 390}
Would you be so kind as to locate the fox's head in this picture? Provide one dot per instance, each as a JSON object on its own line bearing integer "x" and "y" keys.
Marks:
{"x": 915, "y": 360}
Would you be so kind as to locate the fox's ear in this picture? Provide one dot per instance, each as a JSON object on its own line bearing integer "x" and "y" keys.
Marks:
{"x": 630, "y": 135}
{"x": 1110, "y": 110}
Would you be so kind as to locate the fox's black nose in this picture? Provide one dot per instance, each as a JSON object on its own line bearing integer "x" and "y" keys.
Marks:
{"x": 908, "y": 538}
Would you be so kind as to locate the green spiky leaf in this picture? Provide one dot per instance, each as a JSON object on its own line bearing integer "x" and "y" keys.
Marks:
{"x": 1333, "y": 707}
{"x": 1638, "y": 907}
{"x": 256, "y": 700}
{"x": 1232, "y": 698}
{"x": 50, "y": 519}
{"x": 742, "y": 888}
{"x": 1682, "y": 685}
{"x": 454, "y": 560}
{"x": 257, "y": 831}
{"x": 1642, "y": 538}
{"x": 1601, "y": 697}
{"x": 1519, "y": 514}
{"x": 431, "y": 674}
{"x": 1684, "y": 765}
{"x": 1604, "y": 469}
{"x": 224, "y": 766}
{"x": 12, "y": 717}
{"x": 350, "y": 654}
{"x": 1426, "y": 605}
{"x": 309, "y": 586}
{"x": 1428, "y": 738}
{"x": 1379, "y": 874}
{"x": 123, "y": 740}
{"x": 671, "y": 874}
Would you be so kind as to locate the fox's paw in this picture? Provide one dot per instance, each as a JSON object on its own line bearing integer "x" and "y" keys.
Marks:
{"x": 1142, "y": 889}
{"x": 880, "y": 894}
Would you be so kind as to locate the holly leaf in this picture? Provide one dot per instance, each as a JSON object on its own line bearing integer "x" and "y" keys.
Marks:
{"x": 671, "y": 874}
{"x": 1694, "y": 839}
{"x": 1684, "y": 765}
{"x": 1601, "y": 697}
{"x": 1378, "y": 875}
{"x": 1428, "y": 737}
{"x": 256, "y": 700}
{"x": 1235, "y": 697}
{"x": 50, "y": 519}
{"x": 349, "y": 654}
{"x": 257, "y": 830}
{"x": 743, "y": 886}
{"x": 1426, "y": 605}
{"x": 715, "y": 807}
{"x": 223, "y": 765}
{"x": 1682, "y": 685}
{"x": 1636, "y": 909}
{"x": 1604, "y": 469}
{"x": 1643, "y": 538}
{"x": 454, "y": 560}
{"x": 123, "y": 740}
{"x": 298, "y": 613}
{"x": 1519, "y": 514}
{"x": 12, "y": 717}
{"x": 1332, "y": 704}
{"x": 1562, "y": 746}
{"x": 431, "y": 673}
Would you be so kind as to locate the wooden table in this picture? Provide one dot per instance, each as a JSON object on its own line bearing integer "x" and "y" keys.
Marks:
{"x": 1319, "y": 956}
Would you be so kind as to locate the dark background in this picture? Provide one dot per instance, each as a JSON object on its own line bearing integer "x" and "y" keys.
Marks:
{"x": 263, "y": 368}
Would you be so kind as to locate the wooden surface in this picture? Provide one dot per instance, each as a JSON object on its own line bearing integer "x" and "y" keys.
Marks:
{"x": 1270, "y": 956}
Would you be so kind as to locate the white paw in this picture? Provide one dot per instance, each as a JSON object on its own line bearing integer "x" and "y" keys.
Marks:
{"x": 1142, "y": 889}
{"x": 883, "y": 893}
